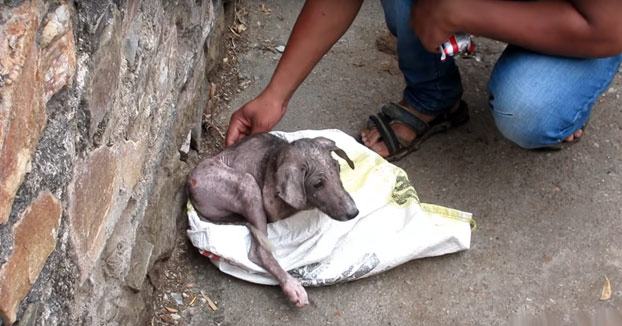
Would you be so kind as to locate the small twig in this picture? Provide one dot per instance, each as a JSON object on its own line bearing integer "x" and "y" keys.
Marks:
{"x": 268, "y": 47}
{"x": 211, "y": 125}
{"x": 233, "y": 31}
{"x": 239, "y": 13}
{"x": 210, "y": 303}
{"x": 265, "y": 10}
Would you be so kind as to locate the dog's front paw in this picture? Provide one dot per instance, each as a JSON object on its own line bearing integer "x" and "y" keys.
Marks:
{"x": 296, "y": 292}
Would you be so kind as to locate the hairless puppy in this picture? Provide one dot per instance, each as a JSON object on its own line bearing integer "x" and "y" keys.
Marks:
{"x": 263, "y": 179}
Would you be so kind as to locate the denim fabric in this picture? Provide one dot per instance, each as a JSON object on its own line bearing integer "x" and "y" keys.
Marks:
{"x": 432, "y": 86}
{"x": 537, "y": 100}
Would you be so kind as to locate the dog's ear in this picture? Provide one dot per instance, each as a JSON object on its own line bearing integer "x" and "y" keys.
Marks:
{"x": 341, "y": 153}
{"x": 331, "y": 146}
{"x": 328, "y": 143}
{"x": 290, "y": 185}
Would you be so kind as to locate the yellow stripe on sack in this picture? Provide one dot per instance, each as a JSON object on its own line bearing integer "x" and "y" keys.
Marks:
{"x": 403, "y": 192}
{"x": 364, "y": 165}
{"x": 450, "y": 213}
{"x": 373, "y": 172}
{"x": 386, "y": 179}
{"x": 189, "y": 206}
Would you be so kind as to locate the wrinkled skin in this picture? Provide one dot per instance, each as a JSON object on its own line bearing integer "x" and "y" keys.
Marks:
{"x": 263, "y": 179}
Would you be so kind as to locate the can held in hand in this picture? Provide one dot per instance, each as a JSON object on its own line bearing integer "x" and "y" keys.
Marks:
{"x": 457, "y": 44}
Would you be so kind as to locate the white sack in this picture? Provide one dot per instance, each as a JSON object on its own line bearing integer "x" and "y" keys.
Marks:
{"x": 393, "y": 227}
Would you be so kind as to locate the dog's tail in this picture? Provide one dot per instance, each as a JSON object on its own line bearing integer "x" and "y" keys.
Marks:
{"x": 262, "y": 239}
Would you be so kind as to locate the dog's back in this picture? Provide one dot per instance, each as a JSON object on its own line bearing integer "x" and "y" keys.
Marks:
{"x": 251, "y": 154}
{"x": 284, "y": 177}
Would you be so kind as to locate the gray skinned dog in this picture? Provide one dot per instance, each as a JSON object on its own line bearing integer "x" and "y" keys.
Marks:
{"x": 263, "y": 179}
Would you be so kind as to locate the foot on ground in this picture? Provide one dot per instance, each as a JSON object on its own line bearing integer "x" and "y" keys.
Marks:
{"x": 371, "y": 136}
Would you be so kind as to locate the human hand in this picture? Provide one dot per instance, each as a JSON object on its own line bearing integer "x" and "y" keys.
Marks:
{"x": 432, "y": 21}
{"x": 258, "y": 115}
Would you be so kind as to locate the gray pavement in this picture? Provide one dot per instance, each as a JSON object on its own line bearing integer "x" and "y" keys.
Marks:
{"x": 549, "y": 223}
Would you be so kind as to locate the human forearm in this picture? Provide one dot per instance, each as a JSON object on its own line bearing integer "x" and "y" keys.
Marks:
{"x": 320, "y": 24}
{"x": 586, "y": 28}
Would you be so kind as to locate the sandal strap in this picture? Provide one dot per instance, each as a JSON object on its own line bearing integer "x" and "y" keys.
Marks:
{"x": 454, "y": 118}
{"x": 395, "y": 113}
{"x": 400, "y": 113}
{"x": 383, "y": 124}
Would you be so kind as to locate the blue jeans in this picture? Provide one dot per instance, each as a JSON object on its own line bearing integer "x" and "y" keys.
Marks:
{"x": 536, "y": 100}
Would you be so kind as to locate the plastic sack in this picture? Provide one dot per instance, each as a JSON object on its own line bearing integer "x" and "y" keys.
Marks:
{"x": 392, "y": 227}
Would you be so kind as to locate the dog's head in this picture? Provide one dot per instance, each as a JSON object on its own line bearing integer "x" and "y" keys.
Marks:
{"x": 307, "y": 173}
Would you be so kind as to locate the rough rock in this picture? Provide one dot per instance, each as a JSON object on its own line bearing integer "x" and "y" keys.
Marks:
{"x": 92, "y": 195}
{"x": 96, "y": 99}
{"x": 35, "y": 239}
{"x": 34, "y": 73}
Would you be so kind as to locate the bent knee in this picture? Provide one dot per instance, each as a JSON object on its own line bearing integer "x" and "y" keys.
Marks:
{"x": 525, "y": 135}
{"x": 532, "y": 122}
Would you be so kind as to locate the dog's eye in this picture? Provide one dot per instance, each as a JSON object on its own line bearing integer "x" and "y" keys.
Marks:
{"x": 319, "y": 184}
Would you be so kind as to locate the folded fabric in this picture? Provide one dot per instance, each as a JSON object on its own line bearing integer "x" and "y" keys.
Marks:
{"x": 393, "y": 227}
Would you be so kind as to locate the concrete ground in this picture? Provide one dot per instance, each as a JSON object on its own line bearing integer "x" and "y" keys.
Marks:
{"x": 549, "y": 222}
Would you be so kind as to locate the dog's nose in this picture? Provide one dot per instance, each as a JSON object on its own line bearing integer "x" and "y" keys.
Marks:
{"x": 352, "y": 214}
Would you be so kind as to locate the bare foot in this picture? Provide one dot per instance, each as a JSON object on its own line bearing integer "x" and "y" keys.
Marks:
{"x": 371, "y": 136}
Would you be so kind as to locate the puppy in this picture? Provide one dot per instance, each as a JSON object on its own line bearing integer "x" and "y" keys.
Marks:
{"x": 263, "y": 179}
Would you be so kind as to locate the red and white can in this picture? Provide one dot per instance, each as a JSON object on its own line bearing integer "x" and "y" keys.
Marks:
{"x": 457, "y": 44}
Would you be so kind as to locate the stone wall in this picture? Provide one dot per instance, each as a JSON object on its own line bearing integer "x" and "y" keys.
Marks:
{"x": 96, "y": 99}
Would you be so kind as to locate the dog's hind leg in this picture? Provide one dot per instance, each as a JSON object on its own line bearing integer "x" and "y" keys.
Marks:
{"x": 228, "y": 191}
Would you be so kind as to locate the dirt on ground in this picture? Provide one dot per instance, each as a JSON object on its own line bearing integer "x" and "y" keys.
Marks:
{"x": 549, "y": 223}
{"x": 177, "y": 300}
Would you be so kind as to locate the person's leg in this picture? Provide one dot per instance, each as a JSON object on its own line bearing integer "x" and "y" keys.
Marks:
{"x": 432, "y": 86}
{"x": 539, "y": 100}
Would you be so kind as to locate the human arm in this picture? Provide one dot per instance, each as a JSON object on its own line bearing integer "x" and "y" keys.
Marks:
{"x": 320, "y": 24}
{"x": 579, "y": 28}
